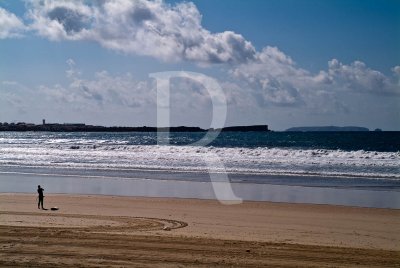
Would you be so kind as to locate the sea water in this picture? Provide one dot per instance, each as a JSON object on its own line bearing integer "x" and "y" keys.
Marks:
{"x": 350, "y": 160}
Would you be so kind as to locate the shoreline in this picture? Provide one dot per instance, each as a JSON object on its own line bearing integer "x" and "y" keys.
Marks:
{"x": 246, "y": 178}
{"x": 24, "y": 183}
{"x": 78, "y": 195}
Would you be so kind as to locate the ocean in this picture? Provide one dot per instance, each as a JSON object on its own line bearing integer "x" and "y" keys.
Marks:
{"x": 341, "y": 160}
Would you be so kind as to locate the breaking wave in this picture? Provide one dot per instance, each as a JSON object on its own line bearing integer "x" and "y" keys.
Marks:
{"x": 121, "y": 154}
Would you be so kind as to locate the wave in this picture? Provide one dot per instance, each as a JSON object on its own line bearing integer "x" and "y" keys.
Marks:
{"x": 120, "y": 155}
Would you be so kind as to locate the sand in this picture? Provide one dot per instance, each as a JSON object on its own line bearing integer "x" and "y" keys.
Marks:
{"x": 109, "y": 231}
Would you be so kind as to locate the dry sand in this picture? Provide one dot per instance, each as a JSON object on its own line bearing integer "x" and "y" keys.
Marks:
{"x": 107, "y": 231}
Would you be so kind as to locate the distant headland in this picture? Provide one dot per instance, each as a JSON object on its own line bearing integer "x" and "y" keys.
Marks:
{"x": 81, "y": 127}
{"x": 327, "y": 128}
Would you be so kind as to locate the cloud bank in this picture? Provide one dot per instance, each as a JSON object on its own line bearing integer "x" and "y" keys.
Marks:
{"x": 140, "y": 27}
{"x": 101, "y": 91}
{"x": 276, "y": 80}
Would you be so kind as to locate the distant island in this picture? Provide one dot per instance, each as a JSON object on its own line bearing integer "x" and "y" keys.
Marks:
{"x": 326, "y": 128}
{"x": 81, "y": 127}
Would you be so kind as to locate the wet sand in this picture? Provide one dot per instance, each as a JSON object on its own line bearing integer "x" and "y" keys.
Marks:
{"x": 109, "y": 231}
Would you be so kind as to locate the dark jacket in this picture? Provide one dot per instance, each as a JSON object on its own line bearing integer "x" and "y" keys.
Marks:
{"x": 40, "y": 192}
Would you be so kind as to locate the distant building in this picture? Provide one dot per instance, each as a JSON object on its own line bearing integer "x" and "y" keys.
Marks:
{"x": 44, "y": 122}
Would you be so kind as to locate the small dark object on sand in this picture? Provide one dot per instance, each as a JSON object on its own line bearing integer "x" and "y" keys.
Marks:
{"x": 54, "y": 208}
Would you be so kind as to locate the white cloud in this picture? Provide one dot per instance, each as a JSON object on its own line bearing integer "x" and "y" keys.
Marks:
{"x": 59, "y": 20}
{"x": 10, "y": 25}
{"x": 72, "y": 71}
{"x": 123, "y": 90}
{"x": 152, "y": 28}
{"x": 275, "y": 79}
{"x": 358, "y": 77}
{"x": 396, "y": 70}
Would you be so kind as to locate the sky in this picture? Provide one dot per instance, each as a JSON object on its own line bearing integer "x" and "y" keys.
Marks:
{"x": 283, "y": 63}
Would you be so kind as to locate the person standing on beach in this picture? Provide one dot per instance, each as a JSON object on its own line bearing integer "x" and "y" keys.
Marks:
{"x": 41, "y": 196}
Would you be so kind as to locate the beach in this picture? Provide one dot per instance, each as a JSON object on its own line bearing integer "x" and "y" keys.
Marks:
{"x": 114, "y": 231}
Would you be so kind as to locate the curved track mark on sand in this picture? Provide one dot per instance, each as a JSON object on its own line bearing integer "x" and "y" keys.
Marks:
{"x": 97, "y": 223}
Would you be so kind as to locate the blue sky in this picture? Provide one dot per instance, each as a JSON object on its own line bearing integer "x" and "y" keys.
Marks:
{"x": 282, "y": 63}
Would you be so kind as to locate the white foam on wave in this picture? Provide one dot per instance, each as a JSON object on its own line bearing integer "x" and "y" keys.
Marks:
{"x": 117, "y": 154}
